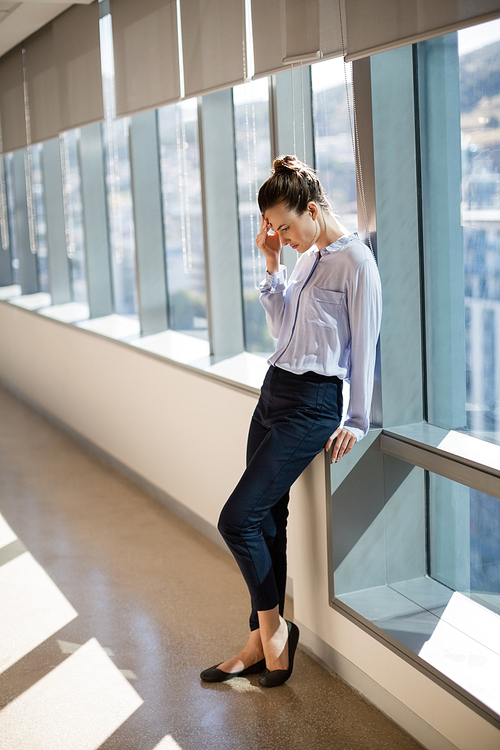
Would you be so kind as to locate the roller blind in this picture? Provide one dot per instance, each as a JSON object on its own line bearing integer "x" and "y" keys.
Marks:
{"x": 146, "y": 54}
{"x": 12, "y": 100}
{"x": 293, "y": 28}
{"x": 41, "y": 76}
{"x": 377, "y": 25}
{"x": 78, "y": 62}
{"x": 212, "y": 43}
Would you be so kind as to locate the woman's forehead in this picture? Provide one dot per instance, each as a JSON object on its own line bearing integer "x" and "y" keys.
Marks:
{"x": 278, "y": 215}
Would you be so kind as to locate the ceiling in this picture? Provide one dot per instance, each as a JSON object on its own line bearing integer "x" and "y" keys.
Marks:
{"x": 19, "y": 20}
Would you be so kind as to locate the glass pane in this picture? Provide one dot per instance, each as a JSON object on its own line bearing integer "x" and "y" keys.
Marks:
{"x": 253, "y": 161}
{"x": 40, "y": 221}
{"x": 182, "y": 216}
{"x": 73, "y": 214}
{"x": 479, "y": 52}
{"x": 9, "y": 190}
{"x": 436, "y": 590}
{"x": 332, "y": 138}
{"x": 120, "y": 213}
{"x": 464, "y": 536}
{"x": 118, "y": 184}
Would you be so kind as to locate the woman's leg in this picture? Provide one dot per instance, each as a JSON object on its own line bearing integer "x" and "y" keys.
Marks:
{"x": 274, "y": 530}
{"x": 274, "y": 637}
{"x": 274, "y": 525}
{"x": 297, "y": 425}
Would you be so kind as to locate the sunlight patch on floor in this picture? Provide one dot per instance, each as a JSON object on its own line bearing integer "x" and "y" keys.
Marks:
{"x": 77, "y": 706}
{"x": 167, "y": 743}
{"x": 7, "y": 536}
{"x": 33, "y": 608}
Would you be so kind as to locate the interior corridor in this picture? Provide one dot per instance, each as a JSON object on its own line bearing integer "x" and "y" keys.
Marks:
{"x": 110, "y": 606}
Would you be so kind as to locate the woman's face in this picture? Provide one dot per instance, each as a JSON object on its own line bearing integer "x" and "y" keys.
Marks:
{"x": 298, "y": 230}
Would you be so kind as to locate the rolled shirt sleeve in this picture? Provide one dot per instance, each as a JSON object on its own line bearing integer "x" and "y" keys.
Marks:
{"x": 272, "y": 298}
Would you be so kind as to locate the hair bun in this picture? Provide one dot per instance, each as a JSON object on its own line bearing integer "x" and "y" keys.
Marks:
{"x": 284, "y": 164}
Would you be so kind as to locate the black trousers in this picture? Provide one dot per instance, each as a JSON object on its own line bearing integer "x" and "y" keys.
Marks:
{"x": 295, "y": 416}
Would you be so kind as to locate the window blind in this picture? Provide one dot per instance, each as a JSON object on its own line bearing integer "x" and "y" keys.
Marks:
{"x": 146, "y": 54}
{"x": 78, "y": 63}
{"x": 12, "y": 100}
{"x": 377, "y": 25}
{"x": 212, "y": 43}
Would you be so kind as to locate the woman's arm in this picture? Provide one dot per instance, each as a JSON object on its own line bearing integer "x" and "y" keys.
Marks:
{"x": 273, "y": 287}
{"x": 365, "y": 309}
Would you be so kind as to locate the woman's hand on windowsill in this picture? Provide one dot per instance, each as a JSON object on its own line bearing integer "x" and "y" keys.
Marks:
{"x": 344, "y": 441}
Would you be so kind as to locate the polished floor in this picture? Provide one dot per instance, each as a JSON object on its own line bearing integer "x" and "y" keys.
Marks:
{"x": 109, "y": 608}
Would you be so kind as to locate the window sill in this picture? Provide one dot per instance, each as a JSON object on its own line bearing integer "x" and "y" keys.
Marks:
{"x": 120, "y": 327}
{"x": 451, "y": 454}
{"x": 33, "y": 302}
{"x": 69, "y": 312}
{"x": 244, "y": 371}
{"x": 7, "y": 292}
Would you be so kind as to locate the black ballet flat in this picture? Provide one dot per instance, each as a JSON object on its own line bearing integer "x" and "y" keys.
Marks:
{"x": 214, "y": 674}
{"x": 279, "y": 676}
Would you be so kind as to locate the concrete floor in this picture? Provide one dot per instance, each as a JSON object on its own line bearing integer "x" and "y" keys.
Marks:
{"x": 110, "y": 606}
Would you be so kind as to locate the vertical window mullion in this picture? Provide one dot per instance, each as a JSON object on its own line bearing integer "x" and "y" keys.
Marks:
{"x": 100, "y": 296}
{"x": 220, "y": 211}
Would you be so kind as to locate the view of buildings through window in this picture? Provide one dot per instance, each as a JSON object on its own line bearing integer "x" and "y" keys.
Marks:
{"x": 479, "y": 49}
{"x": 479, "y": 55}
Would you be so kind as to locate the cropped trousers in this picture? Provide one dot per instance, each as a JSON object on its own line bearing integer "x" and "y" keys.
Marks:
{"x": 295, "y": 416}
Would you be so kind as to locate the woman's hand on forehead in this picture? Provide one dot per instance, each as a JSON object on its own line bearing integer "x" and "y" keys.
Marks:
{"x": 268, "y": 244}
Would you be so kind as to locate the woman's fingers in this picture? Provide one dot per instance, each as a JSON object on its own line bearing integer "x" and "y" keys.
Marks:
{"x": 344, "y": 441}
{"x": 268, "y": 244}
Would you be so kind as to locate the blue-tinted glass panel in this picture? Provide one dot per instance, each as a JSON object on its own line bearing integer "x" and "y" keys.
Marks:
{"x": 479, "y": 56}
{"x": 464, "y": 539}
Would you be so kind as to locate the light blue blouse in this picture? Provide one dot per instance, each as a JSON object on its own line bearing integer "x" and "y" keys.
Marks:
{"x": 327, "y": 319}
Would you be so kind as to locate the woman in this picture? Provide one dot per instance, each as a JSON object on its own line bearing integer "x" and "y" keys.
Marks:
{"x": 326, "y": 321}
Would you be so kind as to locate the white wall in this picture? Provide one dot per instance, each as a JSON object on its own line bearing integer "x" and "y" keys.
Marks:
{"x": 186, "y": 434}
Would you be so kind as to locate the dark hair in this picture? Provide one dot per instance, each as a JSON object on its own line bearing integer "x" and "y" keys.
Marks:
{"x": 293, "y": 183}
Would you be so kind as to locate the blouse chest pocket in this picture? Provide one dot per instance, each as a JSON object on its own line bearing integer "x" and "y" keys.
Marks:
{"x": 327, "y": 308}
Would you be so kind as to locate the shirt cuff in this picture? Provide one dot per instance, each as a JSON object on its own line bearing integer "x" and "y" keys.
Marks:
{"x": 358, "y": 433}
{"x": 274, "y": 282}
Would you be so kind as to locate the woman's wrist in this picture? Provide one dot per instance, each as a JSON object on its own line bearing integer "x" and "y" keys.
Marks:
{"x": 272, "y": 268}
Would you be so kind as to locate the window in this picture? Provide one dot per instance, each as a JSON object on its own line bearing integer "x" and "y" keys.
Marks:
{"x": 120, "y": 216}
{"x": 40, "y": 221}
{"x": 11, "y": 208}
{"x": 182, "y": 216}
{"x": 332, "y": 138}
{"x": 73, "y": 214}
{"x": 479, "y": 51}
{"x": 418, "y": 553}
{"x": 118, "y": 184}
{"x": 253, "y": 161}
